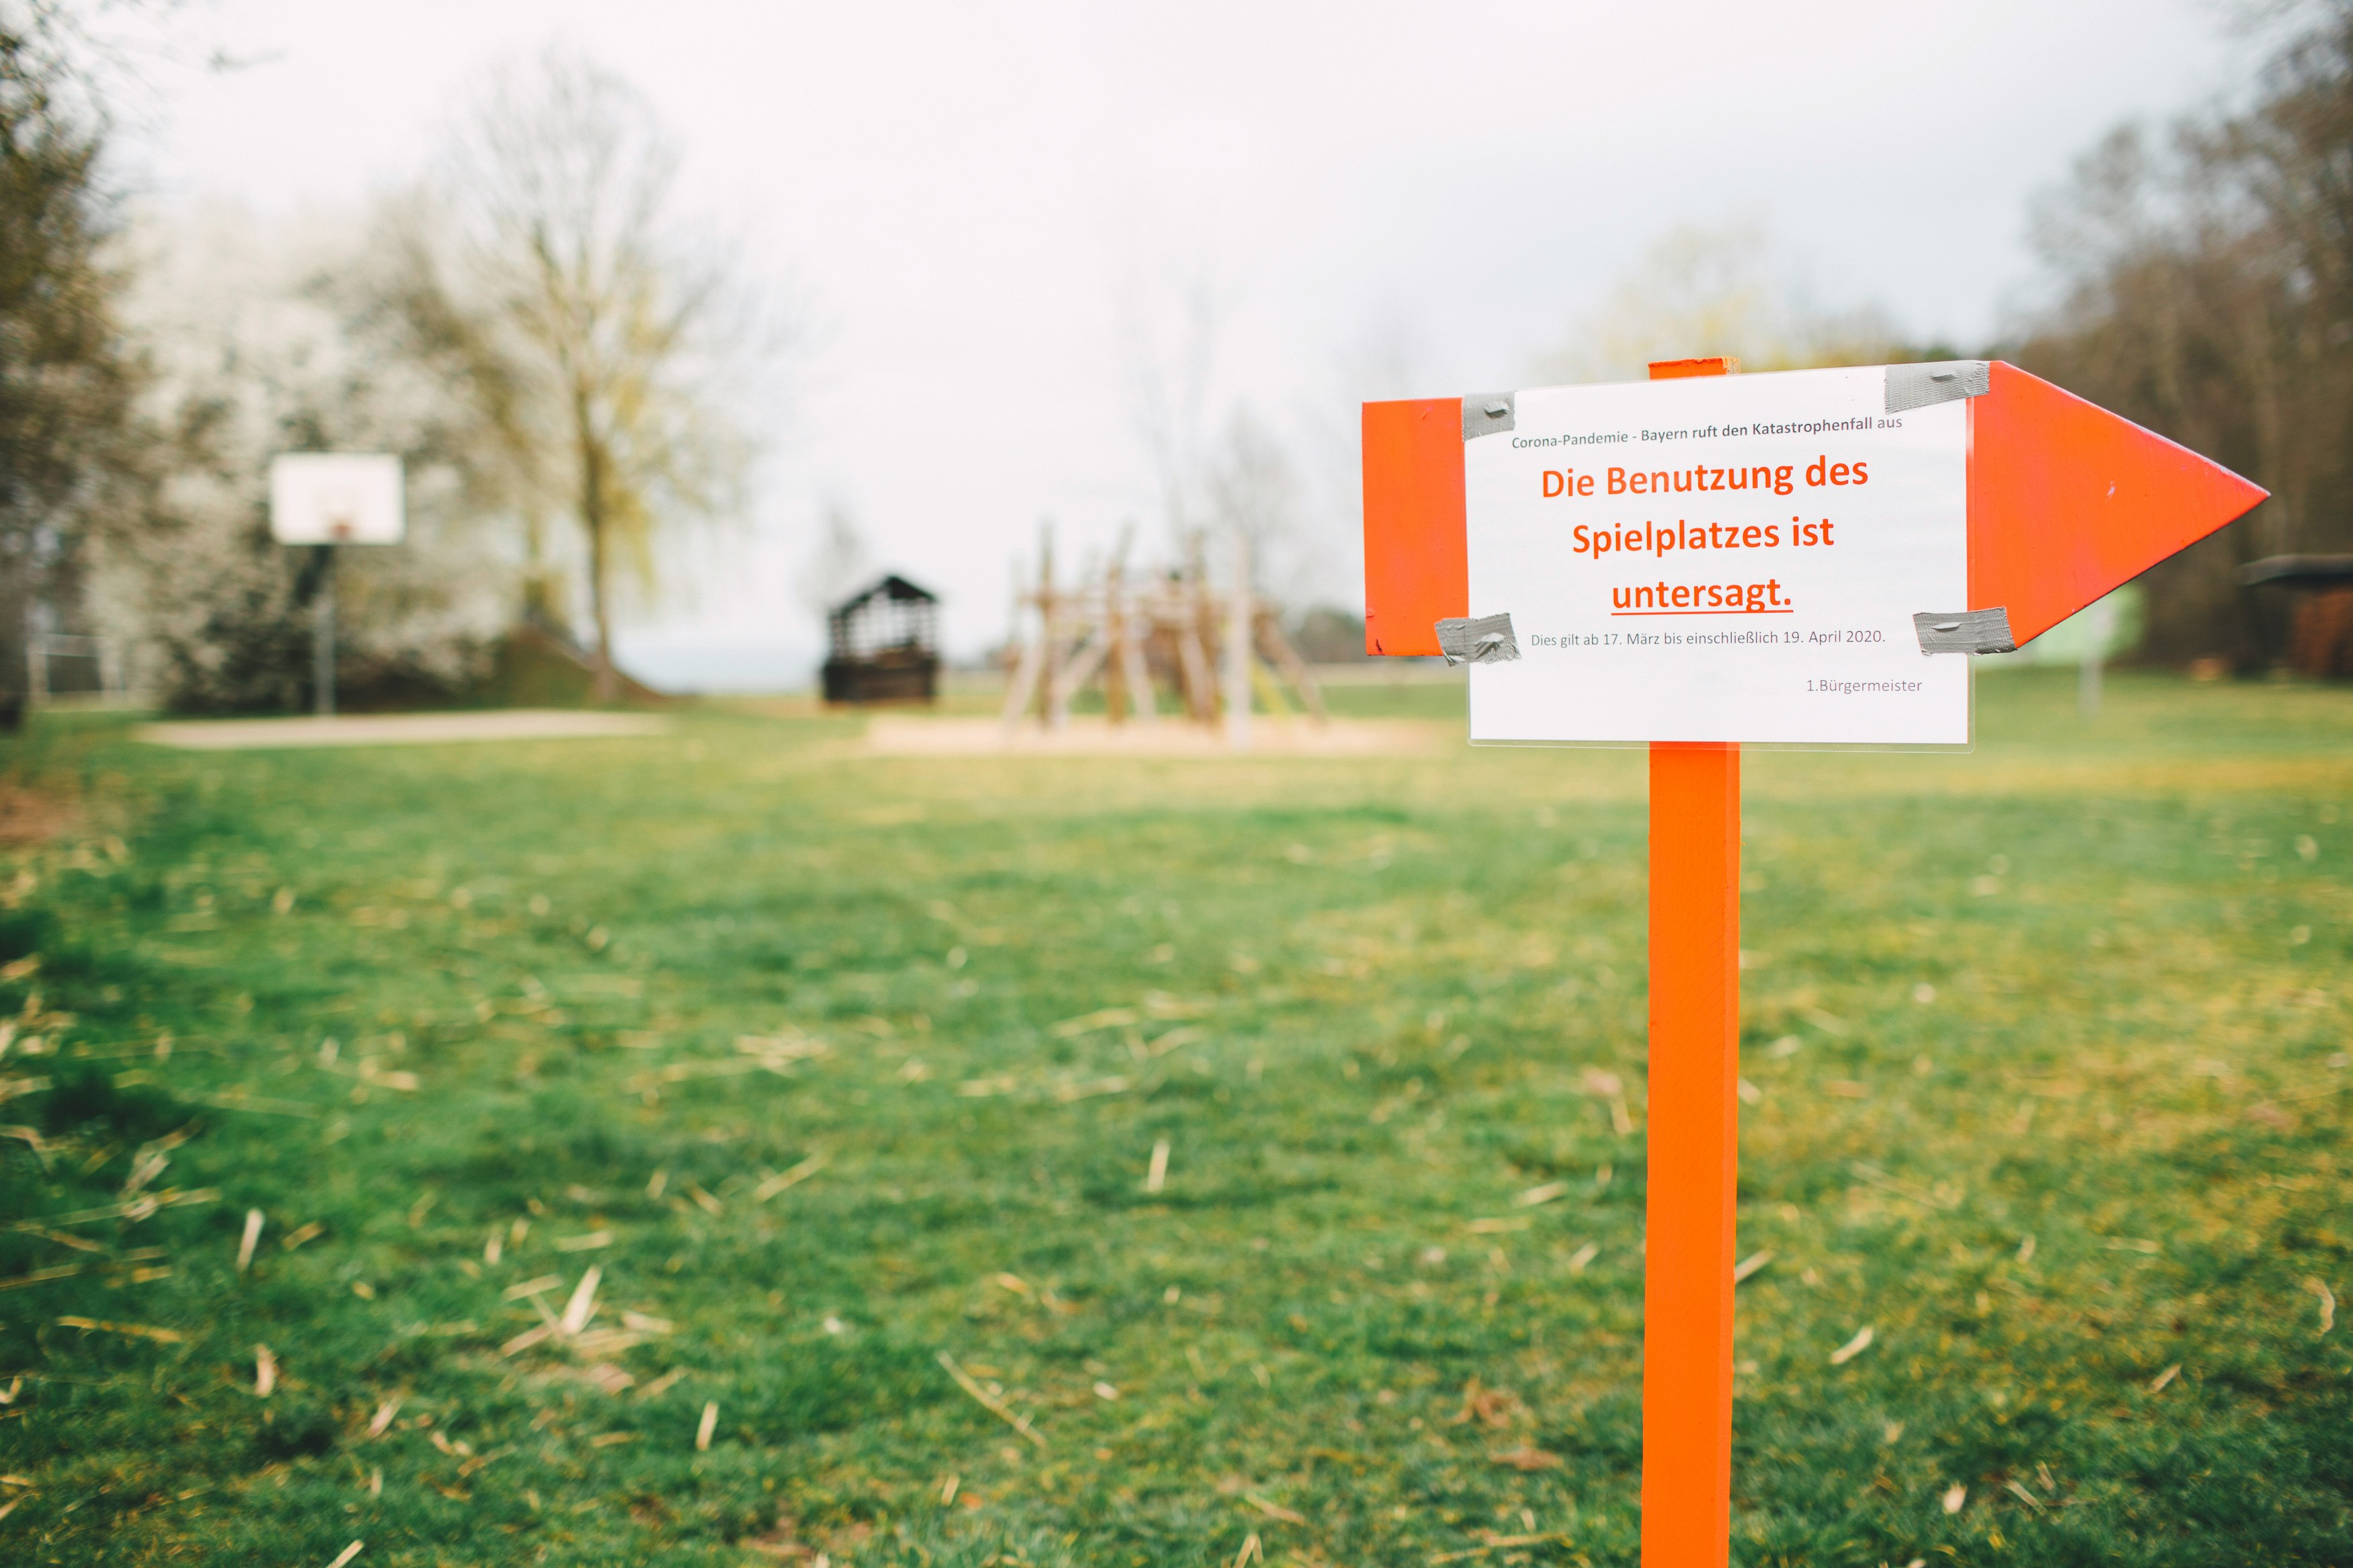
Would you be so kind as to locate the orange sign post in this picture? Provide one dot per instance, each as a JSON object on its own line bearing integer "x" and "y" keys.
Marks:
{"x": 2064, "y": 503}
{"x": 1694, "y": 1130}
{"x": 1694, "y": 1127}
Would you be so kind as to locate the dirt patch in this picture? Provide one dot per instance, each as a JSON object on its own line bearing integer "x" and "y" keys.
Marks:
{"x": 399, "y": 729}
{"x": 892, "y": 735}
{"x": 29, "y": 817}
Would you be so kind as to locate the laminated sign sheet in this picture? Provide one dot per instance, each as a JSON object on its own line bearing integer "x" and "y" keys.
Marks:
{"x": 1724, "y": 558}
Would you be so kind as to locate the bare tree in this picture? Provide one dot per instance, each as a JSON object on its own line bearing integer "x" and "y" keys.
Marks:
{"x": 1169, "y": 329}
{"x": 1250, "y": 489}
{"x": 1224, "y": 469}
{"x": 624, "y": 334}
{"x": 837, "y": 562}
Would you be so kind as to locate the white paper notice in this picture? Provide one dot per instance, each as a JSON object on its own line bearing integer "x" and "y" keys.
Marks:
{"x": 1723, "y": 558}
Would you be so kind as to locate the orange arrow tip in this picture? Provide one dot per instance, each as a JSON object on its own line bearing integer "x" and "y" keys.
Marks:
{"x": 2069, "y": 502}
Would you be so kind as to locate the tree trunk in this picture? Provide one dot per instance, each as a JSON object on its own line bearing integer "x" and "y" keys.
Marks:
{"x": 16, "y": 642}
{"x": 609, "y": 684}
{"x": 596, "y": 524}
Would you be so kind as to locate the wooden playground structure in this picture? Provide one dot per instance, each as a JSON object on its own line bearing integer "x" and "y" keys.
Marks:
{"x": 1129, "y": 637}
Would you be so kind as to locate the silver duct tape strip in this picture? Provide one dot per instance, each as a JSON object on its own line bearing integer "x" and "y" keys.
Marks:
{"x": 1965, "y": 631}
{"x": 1919, "y": 385}
{"x": 1488, "y": 414}
{"x": 1482, "y": 639}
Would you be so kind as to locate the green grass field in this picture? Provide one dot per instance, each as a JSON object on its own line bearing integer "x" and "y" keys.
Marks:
{"x": 835, "y": 1069}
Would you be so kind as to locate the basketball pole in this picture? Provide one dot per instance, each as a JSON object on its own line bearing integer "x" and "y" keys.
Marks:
{"x": 322, "y": 635}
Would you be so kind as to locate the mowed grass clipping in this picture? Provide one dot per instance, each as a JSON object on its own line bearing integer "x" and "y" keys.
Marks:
{"x": 731, "y": 1148}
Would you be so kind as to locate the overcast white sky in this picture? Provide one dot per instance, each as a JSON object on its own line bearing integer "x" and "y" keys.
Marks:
{"x": 969, "y": 199}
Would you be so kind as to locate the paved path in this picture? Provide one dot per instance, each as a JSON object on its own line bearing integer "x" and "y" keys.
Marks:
{"x": 906, "y": 736}
{"x": 398, "y": 729}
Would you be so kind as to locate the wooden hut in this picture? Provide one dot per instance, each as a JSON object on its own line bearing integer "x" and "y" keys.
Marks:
{"x": 2320, "y": 637}
{"x": 884, "y": 645}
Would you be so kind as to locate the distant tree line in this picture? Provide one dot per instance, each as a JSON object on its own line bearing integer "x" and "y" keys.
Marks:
{"x": 2206, "y": 291}
{"x": 563, "y": 366}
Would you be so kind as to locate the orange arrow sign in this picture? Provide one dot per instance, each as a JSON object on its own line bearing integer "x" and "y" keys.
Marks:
{"x": 2066, "y": 502}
